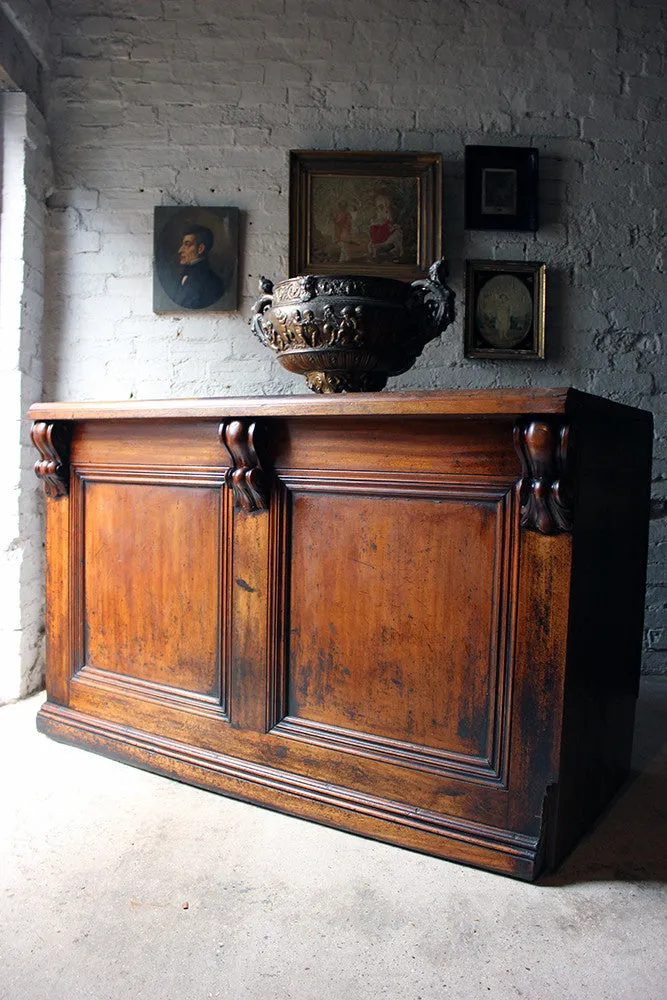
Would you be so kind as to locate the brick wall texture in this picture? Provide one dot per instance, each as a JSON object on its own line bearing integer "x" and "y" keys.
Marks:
{"x": 169, "y": 102}
{"x": 26, "y": 174}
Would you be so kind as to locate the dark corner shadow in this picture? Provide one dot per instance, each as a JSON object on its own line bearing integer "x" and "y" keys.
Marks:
{"x": 628, "y": 842}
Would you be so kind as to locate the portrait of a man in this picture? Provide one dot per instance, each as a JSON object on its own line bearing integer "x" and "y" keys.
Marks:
{"x": 195, "y": 259}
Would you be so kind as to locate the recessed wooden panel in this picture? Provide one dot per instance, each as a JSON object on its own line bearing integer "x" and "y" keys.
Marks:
{"x": 159, "y": 443}
{"x": 150, "y": 602}
{"x": 398, "y": 619}
{"x": 451, "y": 447}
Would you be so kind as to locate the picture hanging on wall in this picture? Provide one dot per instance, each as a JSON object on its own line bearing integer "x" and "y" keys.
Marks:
{"x": 364, "y": 213}
{"x": 195, "y": 264}
{"x": 501, "y": 187}
{"x": 505, "y": 303}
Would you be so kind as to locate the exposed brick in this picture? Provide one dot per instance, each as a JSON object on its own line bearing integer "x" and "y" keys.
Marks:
{"x": 26, "y": 158}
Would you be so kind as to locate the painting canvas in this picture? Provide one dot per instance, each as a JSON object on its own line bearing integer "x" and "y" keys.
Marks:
{"x": 365, "y": 220}
{"x": 498, "y": 192}
{"x": 195, "y": 267}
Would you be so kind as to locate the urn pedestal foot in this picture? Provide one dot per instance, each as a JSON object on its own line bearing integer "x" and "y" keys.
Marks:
{"x": 346, "y": 381}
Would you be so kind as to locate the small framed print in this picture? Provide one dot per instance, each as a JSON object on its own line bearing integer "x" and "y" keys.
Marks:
{"x": 501, "y": 187}
{"x": 505, "y": 309}
{"x": 195, "y": 259}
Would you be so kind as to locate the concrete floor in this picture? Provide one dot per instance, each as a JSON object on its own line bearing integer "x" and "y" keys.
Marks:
{"x": 119, "y": 884}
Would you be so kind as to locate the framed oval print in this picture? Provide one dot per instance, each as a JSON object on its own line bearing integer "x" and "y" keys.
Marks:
{"x": 504, "y": 309}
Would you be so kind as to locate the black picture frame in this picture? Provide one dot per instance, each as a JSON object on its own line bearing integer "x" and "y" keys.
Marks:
{"x": 507, "y": 321}
{"x": 501, "y": 187}
{"x": 210, "y": 284}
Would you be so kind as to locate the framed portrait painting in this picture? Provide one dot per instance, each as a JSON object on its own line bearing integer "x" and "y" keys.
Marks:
{"x": 505, "y": 302}
{"x": 195, "y": 262}
{"x": 501, "y": 187}
{"x": 364, "y": 213}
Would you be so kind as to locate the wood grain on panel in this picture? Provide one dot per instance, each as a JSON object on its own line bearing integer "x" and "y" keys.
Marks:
{"x": 149, "y": 607}
{"x": 59, "y": 650}
{"x": 417, "y": 446}
{"x": 192, "y": 445}
{"x": 399, "y": 610}
{"x": 541, "y": 657}
{"x": 249, "y": 619}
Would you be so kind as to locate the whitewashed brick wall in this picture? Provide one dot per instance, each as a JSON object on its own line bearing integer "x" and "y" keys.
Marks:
{"x": 25, "y": 177}
{"x": 165, "y": 102}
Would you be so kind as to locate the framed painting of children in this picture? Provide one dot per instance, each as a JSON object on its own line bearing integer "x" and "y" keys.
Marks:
{"x": 365, "y": 213}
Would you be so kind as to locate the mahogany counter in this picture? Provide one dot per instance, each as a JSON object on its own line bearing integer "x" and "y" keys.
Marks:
{"x": 415, "y": 616}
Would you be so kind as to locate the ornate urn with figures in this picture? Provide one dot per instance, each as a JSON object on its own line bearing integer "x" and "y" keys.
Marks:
{"x": 350, "y": 333}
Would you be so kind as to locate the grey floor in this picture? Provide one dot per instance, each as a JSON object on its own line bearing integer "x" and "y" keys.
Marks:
{"x": 119, "y": 884}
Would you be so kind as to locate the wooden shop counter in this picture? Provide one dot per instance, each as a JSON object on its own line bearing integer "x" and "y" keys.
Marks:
{"x": 413, "y": 616}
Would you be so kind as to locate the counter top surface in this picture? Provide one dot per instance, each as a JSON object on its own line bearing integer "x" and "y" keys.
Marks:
{"x": 425, "y": 404}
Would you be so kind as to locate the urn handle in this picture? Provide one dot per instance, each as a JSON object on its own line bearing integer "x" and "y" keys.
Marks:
{"x": 434, "y": 299}
{"x": 264, "y": 302}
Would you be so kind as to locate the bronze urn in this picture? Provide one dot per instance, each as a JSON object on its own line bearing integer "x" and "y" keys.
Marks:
{"x": 349, "y": 333}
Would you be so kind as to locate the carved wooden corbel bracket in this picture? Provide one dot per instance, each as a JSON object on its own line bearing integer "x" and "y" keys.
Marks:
{"x": 52, "y": 442}
{"x": 245, "y": 478}
{"x": 545, "y": 490}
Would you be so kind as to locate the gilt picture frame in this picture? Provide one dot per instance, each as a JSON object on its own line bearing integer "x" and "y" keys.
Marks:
{"x": 364, "y": 213}
{"x": 501, "y": 188}
{"x": 505, "y": 310}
